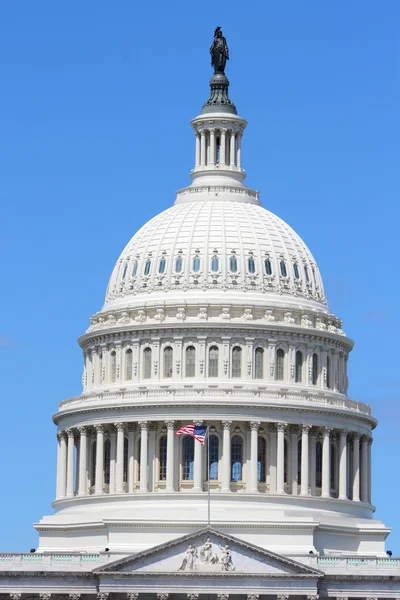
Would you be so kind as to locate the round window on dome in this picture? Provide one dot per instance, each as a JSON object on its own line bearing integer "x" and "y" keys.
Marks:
{"x": 283, "y": 269}
{"x": 178, "y": 265}
{"x": 233, "y": 264}
{"x": 251, "y": 265}
{"x": 161, "y": 266}
{"x": 196, "y": 264}
{"x": 296, "y": 271}
{"x": 147, "y": 267}
{"x": 215, "y": 264}
{"x": 268, "y": 267}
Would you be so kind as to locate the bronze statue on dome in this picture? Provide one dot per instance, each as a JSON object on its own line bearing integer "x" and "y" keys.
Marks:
{"x": 219, "y": 51}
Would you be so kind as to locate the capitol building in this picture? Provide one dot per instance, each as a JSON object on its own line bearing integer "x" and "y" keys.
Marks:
{"x": 215, "y": 314}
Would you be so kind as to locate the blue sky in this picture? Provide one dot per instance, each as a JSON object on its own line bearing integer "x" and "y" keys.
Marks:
{"x": 95, "y": 139}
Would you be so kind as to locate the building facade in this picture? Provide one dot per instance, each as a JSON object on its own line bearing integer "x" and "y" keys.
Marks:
{"x": 215, "y": 314}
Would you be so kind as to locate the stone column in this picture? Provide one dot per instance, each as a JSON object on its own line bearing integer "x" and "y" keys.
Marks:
{"x": 202, "y": 148}
{"x": 254, "y": 426}
{"x": 62, "y": 472}
{"x": 326, "y": 463}
{"x": 280, "y": 455}
{"x": 197, "y": 159}
{"x": 212, "y": 146}
{"x": 170, "y": 455}
{"x": 364, "y": 469}
{"x": 144, "y": 429}
{"x": 313, "y": 461}
{"x": 119, "y": 477}
{"x": 99, "y": 459}
{"x": 369, "y": 471}
{"x": 113, "y": 456}
{"x": 272, "y": 457}
{"x": 343, "y": 465}
{"x": 222, "y": 155}
{"x": 131, "y": 456}
{"x": 70, "y": 463}
{"x": 239, "y": 150}
{"x": 226, "y": 457}
{"x": 356, "y": 467}
{"x": 82, "y": 461}
{"x": 305, "y": 430}
{"x": 198, "y": 464}
{"x": 232, "y": 149}
{"x": 294, "y": 440}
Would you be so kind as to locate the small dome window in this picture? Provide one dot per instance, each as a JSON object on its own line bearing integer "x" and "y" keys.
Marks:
{"x": 251, "y": 265}
{"x": 268, "y": 267}
{"x": 124, "y": 271}
{"x": 306, "y": 274}
{"x": 147, "y": 266}
{"x": 233, "y": 264}
{"x": 178, "y": 264}
{"x": 134, "y": 270}
{"x": 161, "y": 266}
{"x": 296, "y": 271}
{"x": 196, "y": 264}
{"x": 283, "y": 269}
{"x": 215, "y": 264}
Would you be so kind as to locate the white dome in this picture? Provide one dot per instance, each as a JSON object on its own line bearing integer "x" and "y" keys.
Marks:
{"x": 235, "y": 233}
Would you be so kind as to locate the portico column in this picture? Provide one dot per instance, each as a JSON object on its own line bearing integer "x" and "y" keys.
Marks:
{"x": 305, "y": 430}
{"x": 99, "y": 459}
{"x": 119, "y": 479}
{"x": 272, "y": 457}
{"x": 113, "y": 456}
{"x": 254, "y": 426}
{"x": 82, "y": 461}
{"x": 170, "y": 455}
{"x": 131, "y": 456}
{"x": 232, "y": 149}
{"x": 212, "y": 146}
{"x": 144, "y": 429}
{"x": 70, "y": 463}
{"x": 364, "y": 469}
{"x": 356, "y": 467}
{"x": 313, "y": 461}
{"x": 198, "y": 464}
{"x": 202, "y": 148}
{"x": 226, "y": 456}
{"x": 280, "y": 463}
{"x": 62, "y": 471}
{"x": 294, "y": 441}
{"x": 222, "y": 152}
{"x": 343, "y": 465}
{"x": 326, "y": 463}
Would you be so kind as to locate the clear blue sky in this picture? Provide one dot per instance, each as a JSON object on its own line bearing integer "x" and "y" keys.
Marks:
{"x": 95, "y": 104}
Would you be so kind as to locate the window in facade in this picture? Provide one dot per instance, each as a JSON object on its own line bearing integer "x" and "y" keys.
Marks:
{"x": 233, "y": 264}
{"x": 299, "y": 367}
{"x": 147, "y": 363}
{"x": 251, "y": 265}
{"x": 196, "y": 264}
{"x": 162, "y": 475}
{"x": 147, "y": 267}
{"x": 178, "y": 264}
{"x": 107, "y": 461}
{"x": 236, "y": 362}
{"x": 283, "y": 268}
{"x": 306, "y": 274}
{"x": 125, "y": 475}
{"x": 296, "y": 271}
{"x": 128, "y": 364}
{"x": 236, "y": 458}
{"x": 188, "y": 458}
{"x": 113, "y": 366}
{"x": 314, "y": 369}
{"x": 259, "y": 363}
{"x": 213, "y": 361}
{"x": 328, "y": 372}
{"x": 261, "y": 458}
{"x": 299, "y": 462}
{"x": 190, "y": 364}
{"x": 134, "y": 269}
{"x": 215, "y": 264}
{"x": 168, "y": 361}
{"x": 268, "y": 266}
{"x": 318, "y": 464}
{"x": 161, "y": 266}
{"x": 214, "y": 456}
{"x": 279, "y": 368}
{"x": 124, "y": 271}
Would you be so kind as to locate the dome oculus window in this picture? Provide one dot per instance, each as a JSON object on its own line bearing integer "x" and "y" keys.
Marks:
{"x": 178, "y": 265}
{"x": 283, "y": 268}
{"x": 147, "y": 267}
{"x": 251, "y": 265}
{"x": 215, "y": 264}
{"x": 233, "y": 264}
{"x": 268, "y": 267}
{"x": 296, "y": 271}
{"x": 196, "y": 264}
{"x": 161, "y": 266}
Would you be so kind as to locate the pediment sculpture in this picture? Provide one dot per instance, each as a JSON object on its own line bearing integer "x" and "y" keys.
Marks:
{"x": 206, "y": 557}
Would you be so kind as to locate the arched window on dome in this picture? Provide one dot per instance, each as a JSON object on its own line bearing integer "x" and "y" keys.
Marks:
{"x": 107, "y": 461}
{"x": 147, "y": 363}
{"x": 279, "y": 367}
{"x": 168, "y": 361}
{"x": 188, "y": 458}
{"x": 236, "y": 458}
{"x": 124, "y": 271}
{"x": 178, "y": 264}
{"x": 134, "y": 269}
{"x": 299, "y": 367}
{"x": 213, "y": 355}
{"x": 318, "y": 464}
{"x": 233, "y": 264}
{"x": 296, "y": 271}
{"x": 328, "y": 372}
{"x": 113, "y": 366}
{"x": 214, "y": 457}
{"x": 306, "y": 274}
{"x": 268, "y": 266}
{"x": 251, "y": 265}
{"x": 283, "y": 268}
{"x": 128, "y": 364}
{"x": 147, "y": 267}
{"x": 236, "y": 362}
{"x": 261, "y": 459}
{"x": 196, "y": 264}
{"x": 125, "y": 473}
{"x": 161, "y": 266}
{"x": 215, "y": 264}
{"x": 259, "y": 363}
{"x": 190, "y": 362}
{"x": 162, "y": 449}
{"x": 314, "y": 369}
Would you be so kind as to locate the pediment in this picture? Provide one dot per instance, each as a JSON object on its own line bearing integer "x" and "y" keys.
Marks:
{"x": 209, "y": 551}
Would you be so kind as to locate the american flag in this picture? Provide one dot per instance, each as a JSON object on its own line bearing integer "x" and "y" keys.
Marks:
{"x": 199, "y": 432}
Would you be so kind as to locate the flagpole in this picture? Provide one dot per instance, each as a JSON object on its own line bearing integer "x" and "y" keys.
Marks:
{"x": 208, "y": 472}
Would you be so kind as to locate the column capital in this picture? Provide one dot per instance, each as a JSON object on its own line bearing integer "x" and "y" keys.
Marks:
{"x": 199, "y": 423}
{"x": 170, "y": 424}
{"x": 222, "y": 596}
{"x": 144, "y": 425}
{"x": 61, "y": 435}
{"x": 253, "y": 596}
{"x": 254, "y": 425}
{"x": 83, "y": 430}
{"x": 306, "y": 429}
{"x": 162, "y": 596}
{"x": 99, "y": 428}
{"x": 316, "y": 597}
{"x": 343, "y": 432}
{"x": 120, "y": 426}
{"x": 132, "y": 595}
{"x": 15, "y": 596}
{"x": 327, "y": 431}
{"x": 227, "y": 425}
{"x": 192, "y": 596}
{"x": 44, "y": 596}
{"x": 74, "y": 596}
{"x": 370, "y": 441}
{"x": 356, "y": 436}
{"x": 282, "y": 597}
{"x": 281, "y": 426}
{"x": 70, "y": 432}
{"x": 102, "y": 595}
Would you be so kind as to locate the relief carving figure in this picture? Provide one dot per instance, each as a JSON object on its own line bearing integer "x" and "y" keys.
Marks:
{"x": 207, "y": 555}
{"x": 189, "y": 559}
{"x": 226, "y": 560}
